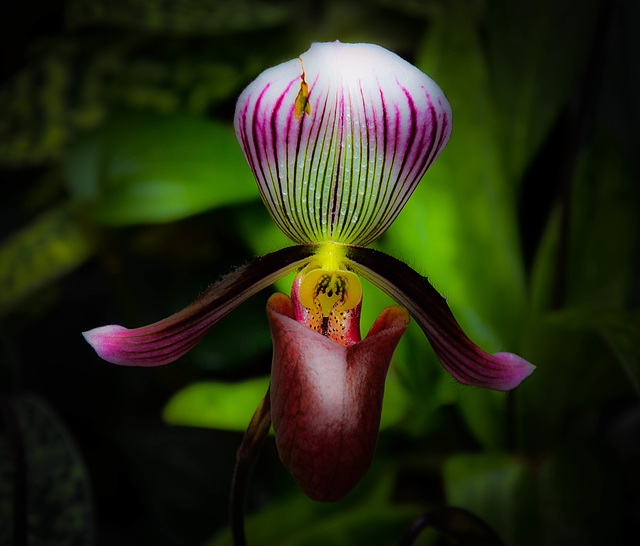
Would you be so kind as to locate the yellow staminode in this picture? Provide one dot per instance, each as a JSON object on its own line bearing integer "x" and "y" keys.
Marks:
{"x": 327, "y": 285}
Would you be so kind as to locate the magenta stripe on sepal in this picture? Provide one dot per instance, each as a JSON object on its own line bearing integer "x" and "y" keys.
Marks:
{"x": 462, "y": 358}
{"x": 167, "y": 340}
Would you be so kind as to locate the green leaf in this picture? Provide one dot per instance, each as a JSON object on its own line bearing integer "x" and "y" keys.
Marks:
{"x": 620, "y": 330}
{"x": 605, "y": 227}
{"x": 216, "y": 404}
{"x": 568, "y": 500}
{"x": 48, "y": 478}
{"x": 577, "y": 371}
{"x": 536, "y": 50}
{"x": 395, "y": 404}
{"x": 494, "y": 487}
{"x": 262, "y": 235}
{"x": 149, "y": 168}
{"x": 543, "y": 284}
{"x": 239, "y": 341}
{"x": 485, "y": 412}
{"x": 42, "y": 252}
{"x": 203, "y": 16}
{"x": 578, "y": 503}
{"x": 587, "y": 350}
{"x": 459, "y": 227}
{"x": 366, "y": 516}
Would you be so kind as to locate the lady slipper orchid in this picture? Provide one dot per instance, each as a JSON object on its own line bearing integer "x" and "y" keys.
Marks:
{"x": 337, "y": 139}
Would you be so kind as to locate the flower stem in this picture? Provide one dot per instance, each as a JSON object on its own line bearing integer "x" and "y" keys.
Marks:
{"x": 248, "y": 452}
{"x": 458, "y": 524}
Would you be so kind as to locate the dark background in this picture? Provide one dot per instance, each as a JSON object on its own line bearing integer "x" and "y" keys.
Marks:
{"x": 85, "y": 454}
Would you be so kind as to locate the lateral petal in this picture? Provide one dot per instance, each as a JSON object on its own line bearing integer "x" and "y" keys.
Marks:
{"x": 462, "y": 358}
{"x": 167, "y": 340}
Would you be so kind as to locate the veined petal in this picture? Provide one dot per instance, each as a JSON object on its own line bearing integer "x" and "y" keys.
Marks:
{"x": 167, "y": 340}
{"x": 458, "y": 354}
{"x": 339, "y": 138}
{"x": 326, "y": 398}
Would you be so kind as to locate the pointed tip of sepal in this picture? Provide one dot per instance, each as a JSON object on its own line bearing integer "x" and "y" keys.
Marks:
{"x": 462, "y": 358}
{"x": 105, "y": 342}
{"x": 167, "y": 340}
{"x": 516, "y": 369}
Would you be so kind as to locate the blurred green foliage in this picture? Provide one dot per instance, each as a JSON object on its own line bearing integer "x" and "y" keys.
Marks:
{"x": 124, "y": 193}
{"x": 156, "y": 168}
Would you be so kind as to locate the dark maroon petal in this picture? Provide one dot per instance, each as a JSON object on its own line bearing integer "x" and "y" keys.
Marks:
{"x": 167, "y": 340}
{"x": 458, "y": 354}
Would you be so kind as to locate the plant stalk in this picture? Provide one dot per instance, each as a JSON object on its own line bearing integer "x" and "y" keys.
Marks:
{"x": 247, "y": 455}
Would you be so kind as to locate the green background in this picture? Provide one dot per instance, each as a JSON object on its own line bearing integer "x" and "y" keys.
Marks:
{"x": 124, "y": 194}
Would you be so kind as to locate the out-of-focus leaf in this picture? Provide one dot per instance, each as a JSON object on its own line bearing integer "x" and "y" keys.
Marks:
{"x": 536, "y": 51}
{"x": 603, "y": 237}
{"x": 33, "y": 112}
{"x": 183, "y": 16}
{"x": 426, "y": 384}
{"x": 414, "y": 8}
{"x": 76, "y": 81}
{"x": 51, "y": 246}
{"x": 365, "y": 516}
{"x": 263, "y": 236}
{"x": 485, "y": 413}
{"x": 581, "y": 348}
{"x": 459, "y": 227}
{"x": 605, "y": 229}
{"x": 620, "y": 329}
{"x": 567, "y": 501}
{"x": 49, "y": 480}
{"x": 576, "y": 371}
{"x": 216, "y": 404}
{"x": 396, "y": 401}
{"x": 577, "y": 502}
{"x": 543, "y": 283}
{"x": 147, "y": 168}
{"x": 495, "y": 487}
{"x": 622, "y": 333}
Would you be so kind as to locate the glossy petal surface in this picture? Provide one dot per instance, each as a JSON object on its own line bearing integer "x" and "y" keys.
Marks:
{"x": 326, "y": 398}
{"x": 339, "y": 138}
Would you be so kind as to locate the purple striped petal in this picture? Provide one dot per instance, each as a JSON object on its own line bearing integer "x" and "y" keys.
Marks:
{"x": 170, "y": 338}
{"x": 339, "y": 138}
{"x": 458, "y": 354}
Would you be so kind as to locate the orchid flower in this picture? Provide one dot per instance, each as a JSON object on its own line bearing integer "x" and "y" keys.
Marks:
{"x": 337, "y": 140}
